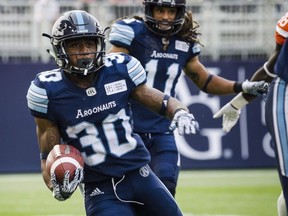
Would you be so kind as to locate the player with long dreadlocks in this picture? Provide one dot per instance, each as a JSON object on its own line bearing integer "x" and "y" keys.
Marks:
{"x": 166, "y": 43}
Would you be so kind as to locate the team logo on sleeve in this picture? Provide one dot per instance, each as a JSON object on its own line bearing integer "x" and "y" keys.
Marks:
{"x": 115, "y": 87}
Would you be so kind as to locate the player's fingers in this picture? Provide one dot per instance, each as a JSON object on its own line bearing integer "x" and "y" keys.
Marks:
{"x": 53, "y": 179}
{"x": 228, "y": 123}
{"x": 218, "y": 114}
{"x": 66, "y": 177}
{"x": 172, "y": 125}
{"x": 226, "y": 128}
{"x": 79, "y": 174}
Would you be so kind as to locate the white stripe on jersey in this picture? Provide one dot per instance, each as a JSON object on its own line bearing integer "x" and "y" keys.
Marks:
{"x": 280, "y": 119}
{"x": 117, "y": 34}
{"x": 37, "y": 98}
{"x": 136, "y": 71}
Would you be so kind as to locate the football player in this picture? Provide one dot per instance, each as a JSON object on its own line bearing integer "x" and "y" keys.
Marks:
{"x": 276, "y": 112}
{"x": 166, "y": 43}
{"x": 85, "y": 103}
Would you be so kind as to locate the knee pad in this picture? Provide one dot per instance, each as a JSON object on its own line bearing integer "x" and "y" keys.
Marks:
{"x": 166, "y": 171}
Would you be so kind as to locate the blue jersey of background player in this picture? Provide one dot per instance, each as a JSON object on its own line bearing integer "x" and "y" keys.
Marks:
{"x": 85, "y": 103}
{"x": 166, "y": 43}
{"x": 163, "y": 65}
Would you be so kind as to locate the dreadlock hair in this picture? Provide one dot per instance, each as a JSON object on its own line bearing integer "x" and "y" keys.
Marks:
{"x": 138, "y": 17}
{"x": 189, "y": 29}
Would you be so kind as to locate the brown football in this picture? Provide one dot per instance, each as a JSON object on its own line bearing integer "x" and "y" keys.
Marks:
{"x": 61, "y": 158}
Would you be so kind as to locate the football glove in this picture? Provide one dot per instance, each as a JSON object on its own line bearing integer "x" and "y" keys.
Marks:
{"x": 64, "y": 191}
{"x": 185, "y": 122}
{"x": 231, "y": 112}
{"x": 255, "y": 87}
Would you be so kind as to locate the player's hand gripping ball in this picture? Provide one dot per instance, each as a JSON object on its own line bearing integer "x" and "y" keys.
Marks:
{"x": 65, "y": 166}
{"x": 64, "y": 158}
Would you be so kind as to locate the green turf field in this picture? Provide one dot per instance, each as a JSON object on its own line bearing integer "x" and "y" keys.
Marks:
{"x": 200, "y": 193}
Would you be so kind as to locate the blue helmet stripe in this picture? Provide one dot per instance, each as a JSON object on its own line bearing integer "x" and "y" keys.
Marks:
{"x": 80, "y": 20}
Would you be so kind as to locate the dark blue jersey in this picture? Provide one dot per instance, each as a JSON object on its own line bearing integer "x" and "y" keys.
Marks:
{"x": 95, "y": 120}
{"x": 163, "y": 66}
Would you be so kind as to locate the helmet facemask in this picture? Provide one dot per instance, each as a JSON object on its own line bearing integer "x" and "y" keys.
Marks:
{"x": 86, "y": 65}
{"x": 154, "y": 25}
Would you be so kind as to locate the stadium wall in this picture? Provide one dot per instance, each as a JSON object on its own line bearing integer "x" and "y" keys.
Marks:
{"x": 230, "y": 29}
{"x": 248, "y": 145}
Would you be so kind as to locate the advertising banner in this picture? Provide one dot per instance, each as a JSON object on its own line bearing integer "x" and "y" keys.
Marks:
{"x": 247, "y": 145}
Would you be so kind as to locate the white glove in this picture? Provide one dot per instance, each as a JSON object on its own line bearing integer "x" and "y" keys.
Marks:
{"x": 255, "y": 87}
{"x": 64, "y": 191}
{"x": 231, "y": 112}
{"x": 185, "y": 122}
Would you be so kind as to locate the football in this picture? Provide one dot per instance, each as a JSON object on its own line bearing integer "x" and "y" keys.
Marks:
{"x": 61, "y": 158}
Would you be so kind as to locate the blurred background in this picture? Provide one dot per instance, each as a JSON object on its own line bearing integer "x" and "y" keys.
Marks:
{"x": 238, "y": 37}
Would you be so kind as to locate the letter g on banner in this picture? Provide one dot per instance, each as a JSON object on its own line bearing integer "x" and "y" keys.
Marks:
{"x": 214, "y": 150}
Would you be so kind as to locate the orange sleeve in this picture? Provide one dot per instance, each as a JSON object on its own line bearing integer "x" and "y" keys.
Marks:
{"x": 281, "y": 32}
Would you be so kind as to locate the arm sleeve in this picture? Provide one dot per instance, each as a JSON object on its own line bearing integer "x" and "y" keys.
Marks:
{"x": 136, "y": 71}
{"x": 37, "y": 100}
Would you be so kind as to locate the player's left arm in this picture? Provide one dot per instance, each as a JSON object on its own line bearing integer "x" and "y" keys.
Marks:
{"x": 218, "y": 85}
{"x": 152, "y": 98}
{"x": 266, "y": 72}
{"x": 201, "y": 77}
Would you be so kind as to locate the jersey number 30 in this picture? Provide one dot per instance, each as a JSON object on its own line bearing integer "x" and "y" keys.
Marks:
{"x": 92, "y": 140}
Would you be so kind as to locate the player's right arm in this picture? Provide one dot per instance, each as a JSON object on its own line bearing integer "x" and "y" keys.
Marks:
{"x": 167, "y": 106}
{"x": 48, "y": 135}
{"x": 46, "y": 130}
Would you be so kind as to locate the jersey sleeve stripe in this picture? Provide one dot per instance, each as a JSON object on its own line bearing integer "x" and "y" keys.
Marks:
{"x": 122, "y": 34}
{"x": 38, "y": 90}
{"x": 136, "y": 71}
{"x": 140, "y": 78}
{"x": 37, "y": 99}
{"x": 37, "y": 107}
